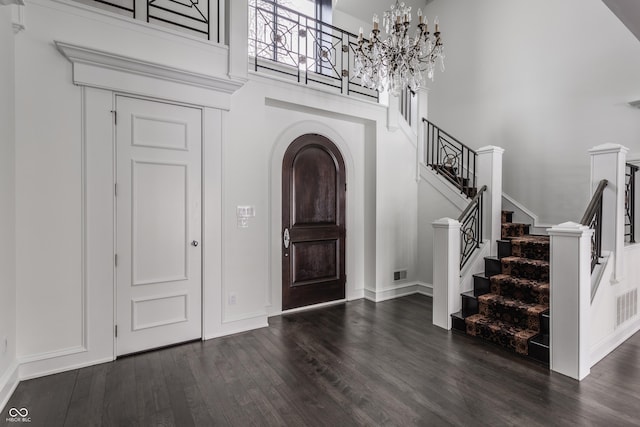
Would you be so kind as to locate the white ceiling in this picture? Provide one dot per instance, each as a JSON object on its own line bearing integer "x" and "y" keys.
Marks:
{"x": 364, "y": 9}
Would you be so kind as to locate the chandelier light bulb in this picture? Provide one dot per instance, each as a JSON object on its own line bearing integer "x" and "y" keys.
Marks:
{"x": 399, "y": 60}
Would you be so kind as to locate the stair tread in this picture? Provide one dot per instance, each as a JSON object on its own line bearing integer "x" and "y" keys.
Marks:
{"x": 470, "y": 294}
{"x": 531, "y": 308}
{"x": 530, "y": 238}
{"x": 542, "y": 339}
{"x": 515, "y": 224}
{"x": 506, "y": 211}
{"x": 458, "y": 314}
{"x": 520, "y": 260}
{"x": 519, "y": 280}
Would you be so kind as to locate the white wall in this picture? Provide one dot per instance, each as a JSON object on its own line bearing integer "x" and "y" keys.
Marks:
{"x": 54, "y": 295}
{"x": 437, "y": 199}
{"x": 546, "y": 81}
{"x": 604, "y": 334}
{"x": 7, "y": 206}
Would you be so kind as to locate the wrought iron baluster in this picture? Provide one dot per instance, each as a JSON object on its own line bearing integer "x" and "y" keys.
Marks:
{"x": 593, "y": 218}
{"x": 630, "y": 202}
{"x": 471, "y": 223}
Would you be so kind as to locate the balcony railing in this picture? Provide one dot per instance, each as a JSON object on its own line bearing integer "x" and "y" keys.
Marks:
{"x": 630, "y": 203}
{"x": 200, "y": 18}
{"x": 292, "y": 45}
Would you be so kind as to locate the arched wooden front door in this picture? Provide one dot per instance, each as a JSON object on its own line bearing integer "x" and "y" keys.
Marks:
{"x": 313, "y": 223}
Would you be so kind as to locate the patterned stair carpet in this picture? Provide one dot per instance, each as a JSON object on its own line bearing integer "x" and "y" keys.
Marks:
{"x": 510, "y": 314}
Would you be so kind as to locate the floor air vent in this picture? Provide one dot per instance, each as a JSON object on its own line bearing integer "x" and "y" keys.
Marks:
{"x": 627, "y": 306}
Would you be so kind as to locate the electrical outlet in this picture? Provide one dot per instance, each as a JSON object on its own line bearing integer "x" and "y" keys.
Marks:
{"x": 232, "y": 299}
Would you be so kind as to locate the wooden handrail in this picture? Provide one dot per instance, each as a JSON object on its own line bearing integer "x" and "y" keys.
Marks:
{"x": 592, "y": 209}
{"x": 472, "y": 203}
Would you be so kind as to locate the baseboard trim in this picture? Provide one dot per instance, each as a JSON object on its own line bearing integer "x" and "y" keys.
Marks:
{"x": 536, "y": 226}
{"x": 242, "y": 325}
{"x": 399, "y": 292}
{"x": 42, "y": 368}
{"x": 52, "y": 355}
{"x": 8, "y": 383}
{"x": 606, "y": 346}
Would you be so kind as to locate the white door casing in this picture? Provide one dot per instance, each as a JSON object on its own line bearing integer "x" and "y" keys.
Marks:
{"x": 158, "y": 222}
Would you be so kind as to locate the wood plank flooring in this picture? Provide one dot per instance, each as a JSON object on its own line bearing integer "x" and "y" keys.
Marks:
{"x": 355, "y": 364}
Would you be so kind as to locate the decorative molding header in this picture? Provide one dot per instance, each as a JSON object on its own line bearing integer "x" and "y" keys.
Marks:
{"x": 112, "y": 71}
{"x": 85, "y": 55}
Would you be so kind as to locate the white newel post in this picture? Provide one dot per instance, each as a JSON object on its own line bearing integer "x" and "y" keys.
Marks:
{"x": 489, "y": 169}
{"x": 570, "y": 299}
{"x": 238, "y": 41}
{"x": 608, "y": 161}
{"x": 446, "y": 271}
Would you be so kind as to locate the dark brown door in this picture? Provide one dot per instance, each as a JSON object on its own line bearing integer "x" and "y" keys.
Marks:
{"x": 313, "y": 223}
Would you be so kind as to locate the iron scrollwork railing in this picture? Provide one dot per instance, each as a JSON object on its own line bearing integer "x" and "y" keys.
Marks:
{"x": 593, "y": 219}
{"x": 450, "y": 158}
{"x": 471, "y": 227}
{"x": 286, "y": 42}
{"x": 191, "y": 16}
{"x": 630, "y": 203}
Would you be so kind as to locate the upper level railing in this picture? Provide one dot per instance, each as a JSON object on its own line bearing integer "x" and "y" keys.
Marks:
{"x": 450, "y": 158}
{"x": 200, "y": 18}
{"x": 296, "y": 46}
{"x": 630, "y": 203}
{"x": 471, "y": 227}
{"x": 593, "y": 218}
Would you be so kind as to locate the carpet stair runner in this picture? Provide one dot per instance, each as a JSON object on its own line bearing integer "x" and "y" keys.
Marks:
{"x": 509, "y": 304}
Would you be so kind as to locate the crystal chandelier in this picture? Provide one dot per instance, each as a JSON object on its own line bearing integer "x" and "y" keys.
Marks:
{"x": 400, "y": 61}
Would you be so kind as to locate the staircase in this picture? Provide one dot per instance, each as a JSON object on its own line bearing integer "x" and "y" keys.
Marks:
{"x": 509, "y": 303}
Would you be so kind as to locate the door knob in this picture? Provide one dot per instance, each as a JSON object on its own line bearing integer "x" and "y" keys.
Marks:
{"x": 286, "y": 239}
{"x": 195, "y": 243}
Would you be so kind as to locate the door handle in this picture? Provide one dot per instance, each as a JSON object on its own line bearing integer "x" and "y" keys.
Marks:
{"x": 195, "y": 243}
{"x": 286, "y": 239}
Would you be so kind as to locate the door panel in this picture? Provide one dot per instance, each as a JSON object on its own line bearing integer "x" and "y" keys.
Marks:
{"x": 158, "y": 216}
{"x": 159, "y": 256}
{"x": 313, "y": 218}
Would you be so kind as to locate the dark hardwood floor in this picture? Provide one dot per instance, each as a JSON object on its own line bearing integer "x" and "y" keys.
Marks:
{"x": 355, "y": 364}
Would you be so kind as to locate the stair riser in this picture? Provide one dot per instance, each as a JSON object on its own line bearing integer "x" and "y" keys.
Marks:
{"x": 526, "y": 271}
{"x": 530, "y": 250}
{"x": 469, "y": 305}
{"x": 481, "y": 285}
{"x": 504, "y": 248}
{"x": 492, "y": 267}
{"x": 507, "y": 217}
{"x": 539, "y": 352}
{"x": 521, "y": 292}
{"x": 544, "y": 323}
{"x": 517, "y": 342}
{"x": 512, "y": 315}
{"x": 514, "y": 230}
